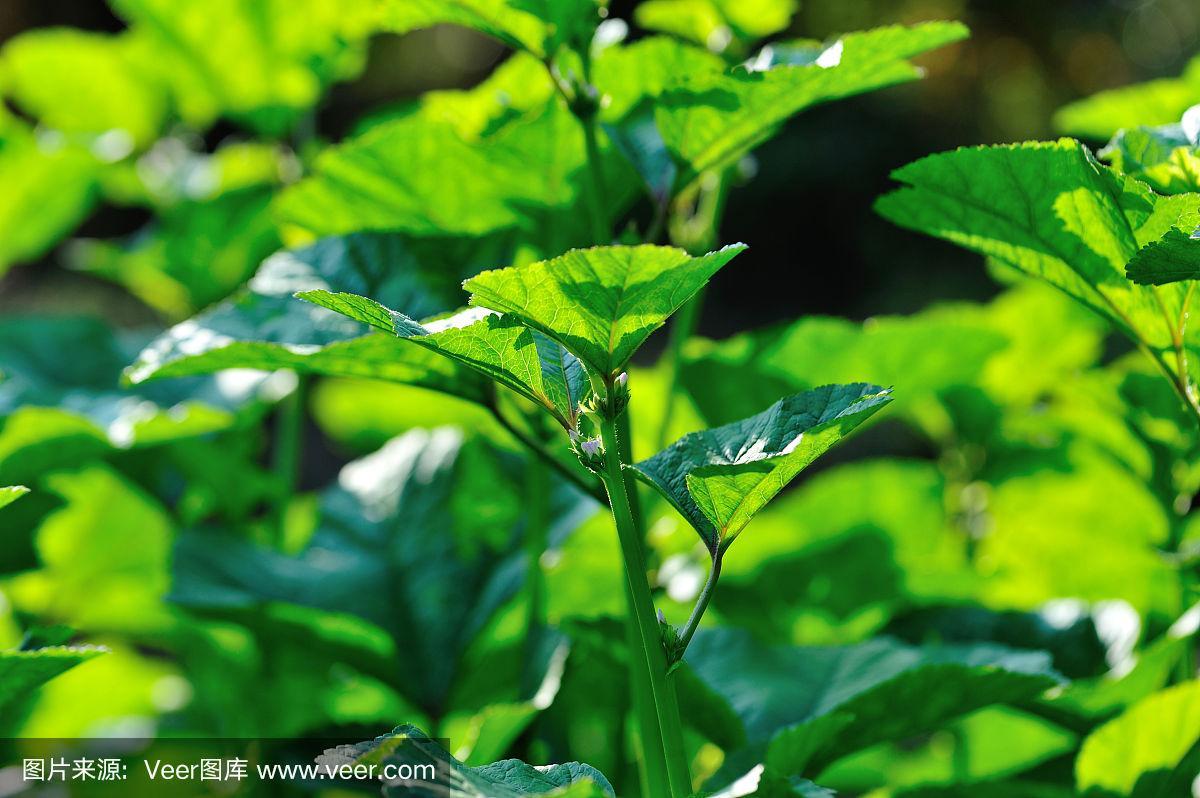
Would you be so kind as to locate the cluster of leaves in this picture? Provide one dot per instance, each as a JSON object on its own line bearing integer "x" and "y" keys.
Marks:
{"x": 1007, "y": 616}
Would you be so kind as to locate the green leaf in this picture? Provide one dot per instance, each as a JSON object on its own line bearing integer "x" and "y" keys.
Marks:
{"x": 1148, "y": 742}
{"x": 59, "y": 410}
{"x": 11, "y": 494}
{"x": 512, "y": 177}
{"x": 48, "y": 190}
{"x": 538, "y": 26}
{"x": 1052, "y": 211}
{"x": 1172, "y": 258}
{"x": 22, "y": 671}
{"x": 265, "y": 328}
{"x": 714, "y": 23}
{"x": 193, "y": 255}
{"x": 815, "y": 704}
{"x": 263, "y": 64}
{"x": 1156, "y": 102}
{"x": 600, "y": 303}
{"x": 80, "y": 82}
{"x": 404, "y": 542}
{"x": 720, "y": 478}
{"x": 104, "y": 556}
{"x": 497, "y": 346}
{"x": 1166, "y": 157}
{"x": 709, "y": 121}
{"x": 509, "y": 778}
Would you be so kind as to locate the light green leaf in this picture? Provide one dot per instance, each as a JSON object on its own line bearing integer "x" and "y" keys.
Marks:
{"x": 265, "y": 328}
{"x": 508, "y": 179}
{"x": 262, "y": 63}
{"x": 709, "y": 121}
{"x": 1147, "y": 743}
{"x": 1164, "y": 157}
{"x": 76, "y": 81}
{"x": 816, "y": 704}
{"x": 1052, "y": 211}
{"x": 720, "y": 478}
{"x": 1157, "y": 102}
{"x": 11, "y": 494}
{"x": 497, "y": 346}
{"x": 104, "y": 556}
{"x": 22, "y": 671}
{"x": 509, "y": 778}
{"x": 49, "y": 188}
{"x": 1172, "y": 258}
{"x": 538, "y": 26}
{"x": 600, "y": 303}
{"x": 716, "y": 23}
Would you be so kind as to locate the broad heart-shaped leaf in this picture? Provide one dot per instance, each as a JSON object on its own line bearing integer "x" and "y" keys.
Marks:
{"x": 495, "y": 345}
{"x": 538, "y": 26}
{"x": 265, "y": 328}
{"x": 600, "y": 303}
{"x": 1156, "y": 102}
{"x": 719, "y": 478}
{"x": 1137, "y": 752}
{"x": 11, "y": 494}
{"x": 509, "y": 778}
{"x": 710, "y": 120}
{"x": 1051, "y": 210}
{"x": 21, "y": 671}
{"x": 815, "y": 704}
{"x": 403, "y": 542}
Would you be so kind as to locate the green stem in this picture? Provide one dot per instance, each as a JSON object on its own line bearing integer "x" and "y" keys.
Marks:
{"x": 289, "y": 432}
{"x": 648, "y": 652}
{"x": 537, "y": 539}
{"x": 702, "y": 601}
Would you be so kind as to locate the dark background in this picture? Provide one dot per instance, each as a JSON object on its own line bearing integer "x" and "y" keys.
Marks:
{"x": 816, "y": 246}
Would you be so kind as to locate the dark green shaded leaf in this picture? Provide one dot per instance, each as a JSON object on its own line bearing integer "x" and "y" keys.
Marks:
{"x": 600, "y": 303}
{"x": 1174, "y": 257}
{"x": 720, "y": 478}
{"x": 816, "y": 704}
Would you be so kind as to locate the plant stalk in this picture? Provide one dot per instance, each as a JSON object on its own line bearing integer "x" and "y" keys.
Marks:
{"x": 693, "y": 621}
{"x": 648, "y": 652}
{"x": 583, "y": 483}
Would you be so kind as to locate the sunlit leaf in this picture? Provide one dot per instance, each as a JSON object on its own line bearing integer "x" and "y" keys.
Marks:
{"x": 709, "y": 121}
{"x": 1052, "y": 211}
{"x": 538, "y": 26}
{"x": 713, "y": 23}
{"x": 720, "y": 478}
{"x": 600, "y": 303}
{"x": 1143, "y": 747}
{"x": 499, "y": 347}
{"x": 1166, "y": 157}
{"x": 11, "y": 494}
{"x": 1156, "y": 102}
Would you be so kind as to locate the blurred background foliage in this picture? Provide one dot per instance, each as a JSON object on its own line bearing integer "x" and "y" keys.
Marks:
{"x": 1031, "y": 486}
